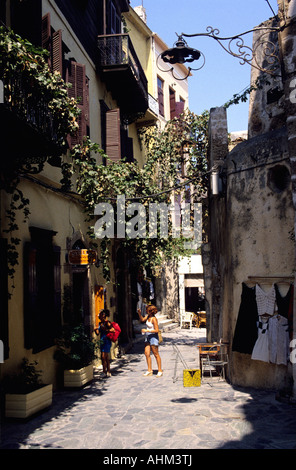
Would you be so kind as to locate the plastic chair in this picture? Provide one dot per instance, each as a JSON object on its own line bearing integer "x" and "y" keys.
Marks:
{"x": 186, "y": 317}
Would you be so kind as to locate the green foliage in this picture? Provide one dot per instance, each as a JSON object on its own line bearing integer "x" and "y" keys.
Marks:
{"x": 96, "y": 182}
{"x": 26, "y": 381}
{"x": 18, "y": 57}
{"x": 155, "y": 182}
{"x": 244, "y": 95}
{"x": 75, "y": 348}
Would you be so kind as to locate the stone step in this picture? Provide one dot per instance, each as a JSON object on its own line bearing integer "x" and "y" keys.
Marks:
{"x": 165, "y": 323}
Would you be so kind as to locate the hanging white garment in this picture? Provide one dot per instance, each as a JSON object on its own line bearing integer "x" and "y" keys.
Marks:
{"x": 261, "y": 348}
{"x": 278, "y": 340}
{"x": 265, "y": 300}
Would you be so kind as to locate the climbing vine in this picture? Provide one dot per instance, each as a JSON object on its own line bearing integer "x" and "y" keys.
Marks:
{"x": 25, "y": 67}
{"x": 183, "y": 141}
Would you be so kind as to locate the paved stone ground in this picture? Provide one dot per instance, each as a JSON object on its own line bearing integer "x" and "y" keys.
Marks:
{"x": 129, "y": 411}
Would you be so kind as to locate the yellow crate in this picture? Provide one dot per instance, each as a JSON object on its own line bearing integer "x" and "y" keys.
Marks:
{"x": 191, "y": 377}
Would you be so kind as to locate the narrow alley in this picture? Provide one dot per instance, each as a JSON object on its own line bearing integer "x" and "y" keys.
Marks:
{"x": 130, "y": 411}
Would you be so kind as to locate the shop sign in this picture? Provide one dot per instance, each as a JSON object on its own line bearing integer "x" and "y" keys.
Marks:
{"x": 82, "y": 257}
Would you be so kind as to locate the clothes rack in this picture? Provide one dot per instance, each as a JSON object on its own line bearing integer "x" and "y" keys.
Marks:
{"x": 279, "y": 279}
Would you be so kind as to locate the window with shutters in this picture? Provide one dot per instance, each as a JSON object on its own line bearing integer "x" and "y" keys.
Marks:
{"x": 160, "y": 96}
{"x": 79, "y": 90}
{"x": 72, "y": 72}
{"x": 42, "y": 290}
{"x": 52, "y": 42}
{"x": 179, "y": 107}
{"x": 113, "y": 18}
{"x": 113, "y": 141}
{"x": 114, "y": 137}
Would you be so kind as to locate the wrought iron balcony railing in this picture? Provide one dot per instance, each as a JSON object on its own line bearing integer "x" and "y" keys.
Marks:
{"x": 28, "y": 112}
{"x": 117, "y": 54}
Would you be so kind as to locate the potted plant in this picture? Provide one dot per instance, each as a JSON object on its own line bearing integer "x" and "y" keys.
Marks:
{"x": 76, "y": 353}
{"x": 25, "y": 394}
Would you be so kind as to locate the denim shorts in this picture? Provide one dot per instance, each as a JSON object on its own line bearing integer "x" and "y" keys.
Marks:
{"x": 106, "y": 346}
{"x": 152, "y": 339}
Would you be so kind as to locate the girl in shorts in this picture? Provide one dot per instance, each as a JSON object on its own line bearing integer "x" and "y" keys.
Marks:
{"x": 104, "y": 327}
{"x": 151, "y": 338}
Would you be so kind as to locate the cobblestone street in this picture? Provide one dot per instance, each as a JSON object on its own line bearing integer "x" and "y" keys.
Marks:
{"x": 130, "y": 411}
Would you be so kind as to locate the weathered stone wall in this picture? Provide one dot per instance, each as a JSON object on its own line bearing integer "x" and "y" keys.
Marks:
{"x": 252, "y": 223}
{"x": 260, "y": 244}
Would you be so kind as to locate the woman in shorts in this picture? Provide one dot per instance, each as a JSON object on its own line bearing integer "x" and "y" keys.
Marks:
{"x": 151, "y": 338}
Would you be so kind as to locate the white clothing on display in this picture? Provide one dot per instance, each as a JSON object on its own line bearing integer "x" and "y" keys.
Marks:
{"x": 261, "y": 348}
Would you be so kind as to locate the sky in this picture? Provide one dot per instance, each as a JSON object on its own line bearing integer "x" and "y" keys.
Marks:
{"x": 223, "y": 75}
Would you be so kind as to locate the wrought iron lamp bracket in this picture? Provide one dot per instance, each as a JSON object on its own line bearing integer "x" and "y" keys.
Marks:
{"x": 264, "y": 45}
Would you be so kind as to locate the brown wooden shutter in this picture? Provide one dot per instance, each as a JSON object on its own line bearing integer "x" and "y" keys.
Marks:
{"x": 113, "y": 145}
{"x": 42, "y": 293}
{"x": 57, "y": 290}
{"x": 160, "y": 102}
{"x": 57, "y": 52}
{"x": 79, "y": 91}
{"x": 179, "y": 108}
{"x": 4, "y": 335}
{"x": 46, "y": 35}
{"x": 172, "y": 104}
{"x": 30, "y": 293}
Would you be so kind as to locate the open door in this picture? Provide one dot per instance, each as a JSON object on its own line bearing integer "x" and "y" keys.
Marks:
{"x": 99, "y": 302}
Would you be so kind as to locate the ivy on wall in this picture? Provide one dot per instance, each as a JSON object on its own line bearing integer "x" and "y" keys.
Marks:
{"x": 20, "y": 59}
{"x": 183, "y": 138}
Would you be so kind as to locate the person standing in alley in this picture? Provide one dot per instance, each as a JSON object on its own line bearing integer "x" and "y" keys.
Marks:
{"x": 151, "y": 338}
{"x": 104, "y": 327}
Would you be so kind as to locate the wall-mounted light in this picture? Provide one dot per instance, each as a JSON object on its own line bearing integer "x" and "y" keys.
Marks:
{"x": 218, "y": 182}
{"x": 181, "y": 53}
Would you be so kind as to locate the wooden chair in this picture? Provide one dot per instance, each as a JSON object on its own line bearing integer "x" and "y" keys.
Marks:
{"x": 202, "y": 319}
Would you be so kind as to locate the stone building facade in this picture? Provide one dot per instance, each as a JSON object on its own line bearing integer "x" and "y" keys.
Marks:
{"x": 252, "y": 213}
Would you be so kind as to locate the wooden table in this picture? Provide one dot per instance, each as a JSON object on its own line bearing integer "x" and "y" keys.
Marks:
{"x": 208, "y": 349}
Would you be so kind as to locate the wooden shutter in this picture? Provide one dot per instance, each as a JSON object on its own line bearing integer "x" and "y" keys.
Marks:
{"x": 45, "y": 42}
{"x": 30, "y": 293}
{"x": 46, "y": 36}
{"x": 42, "y": 293}
{"x": 113, "y": 145}
{"x": 172, "y": 104}
{"x": 57, "y": 290}
{"x": 4, "y": 336}
{"x": 57, "y": 52}
{"x": 79, "y": 90}
{"x": 160, "y": 101}
{"x": 179, "y": 106}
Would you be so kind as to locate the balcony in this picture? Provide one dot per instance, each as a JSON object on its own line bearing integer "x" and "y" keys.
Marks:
{"x": 123, "y": 74}
{"x": 28, "y": 127}
{"x": 151, "y": 116}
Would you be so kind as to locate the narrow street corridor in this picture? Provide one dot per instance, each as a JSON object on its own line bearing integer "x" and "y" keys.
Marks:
{"x": 130, "y": 411}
